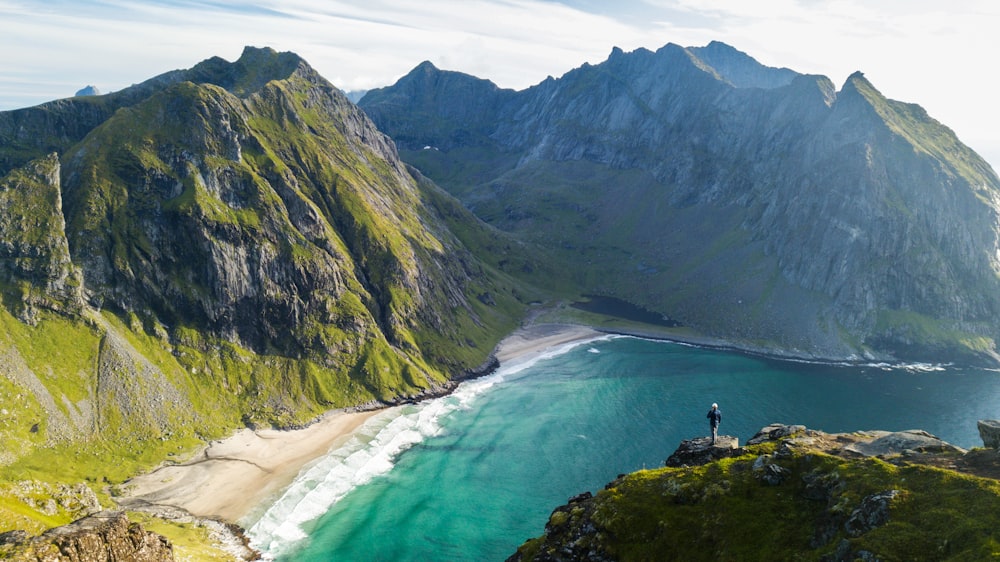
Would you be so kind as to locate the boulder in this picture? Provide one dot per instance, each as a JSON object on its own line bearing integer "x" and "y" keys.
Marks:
{"x": 701, "y": 450}
{"x": 989, "y": 431}
{"x": 873, "y": 512}
{"x": 774, "y": 432}
{"x": 768, "y": 472}
{"x": 902, "y": 441}
{"x": 13, "y": 537}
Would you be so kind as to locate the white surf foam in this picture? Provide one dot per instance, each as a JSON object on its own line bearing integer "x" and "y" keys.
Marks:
{"x": 372, "y": 451}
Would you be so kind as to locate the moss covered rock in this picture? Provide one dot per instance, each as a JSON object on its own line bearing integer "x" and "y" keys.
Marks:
{"x": 830, "y": 503}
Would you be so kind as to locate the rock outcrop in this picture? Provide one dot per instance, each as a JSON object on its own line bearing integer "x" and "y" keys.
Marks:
{"x": 701, "y": 450}
{"x": 912, "y": 441}
{"x": 989, "y": 431}
{"x": 104, "y": 537}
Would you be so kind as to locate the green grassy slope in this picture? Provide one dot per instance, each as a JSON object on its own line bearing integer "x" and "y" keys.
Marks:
{"x": 822, "y": 509}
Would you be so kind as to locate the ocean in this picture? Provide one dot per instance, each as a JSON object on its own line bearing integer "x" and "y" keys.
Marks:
{"x": 472, "y": 475}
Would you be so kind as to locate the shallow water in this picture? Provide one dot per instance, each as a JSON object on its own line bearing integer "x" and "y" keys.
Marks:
{"x": 472, "y": 475}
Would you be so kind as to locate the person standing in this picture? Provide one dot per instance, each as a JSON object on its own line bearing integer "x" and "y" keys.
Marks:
{"x": 714, "y": 419}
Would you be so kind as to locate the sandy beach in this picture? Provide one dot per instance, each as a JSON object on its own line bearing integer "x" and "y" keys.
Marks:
{"x": 535, "y": 339}
{"x": 232, "y": 477}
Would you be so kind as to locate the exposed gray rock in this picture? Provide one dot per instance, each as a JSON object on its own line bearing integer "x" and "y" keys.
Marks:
{"x": 873, "y": 512}
{"x": 768, "y": 472}
{"x": 785, "y": 210}
{"x": 88, "y": 90}
{"x": 989, "y": 431}
{"x": 844, "y": 553}
{"x": 698, "y": 451}
{"x": 902, "y": 441}
{"x": 821, "y": 486}
{"x": 774, "y": 432}
{"x": 13, "y": 537}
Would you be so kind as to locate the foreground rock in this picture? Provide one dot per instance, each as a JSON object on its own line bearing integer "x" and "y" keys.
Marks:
{"x": 989, "y": 431}
{"x": 789, "y": 493}
{"x": 105, "y": 537}
{"x": 701, "y": 450}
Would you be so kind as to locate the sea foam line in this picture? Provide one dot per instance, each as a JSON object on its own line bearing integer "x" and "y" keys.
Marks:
{"x": 371, "y": 452}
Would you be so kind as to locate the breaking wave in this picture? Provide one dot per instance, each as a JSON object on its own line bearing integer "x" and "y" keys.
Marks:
{"x": 370, "y": 452}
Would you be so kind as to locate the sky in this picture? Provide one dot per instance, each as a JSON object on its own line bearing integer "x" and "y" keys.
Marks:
{"x": 937, "y": 54}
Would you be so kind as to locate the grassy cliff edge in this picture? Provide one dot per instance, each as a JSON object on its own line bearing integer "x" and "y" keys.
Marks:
{"x": 790, "y": 494}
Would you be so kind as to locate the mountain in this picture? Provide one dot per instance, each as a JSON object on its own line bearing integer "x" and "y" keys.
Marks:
{"x": 233, "y": 244}
{"x": 749, "y": 203}
{"x": 355, "y": 95}
{"x": 791, "y": 494}
{"x": 88, "y": 91}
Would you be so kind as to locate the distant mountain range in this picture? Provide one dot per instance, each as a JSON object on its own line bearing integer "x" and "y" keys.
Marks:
{"x": 751, "y": 203}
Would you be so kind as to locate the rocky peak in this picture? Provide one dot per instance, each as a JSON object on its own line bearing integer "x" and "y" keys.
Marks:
{"x": 88, "y": 90}
{"x": 859, "y": 95}
{"x": 55, "y": 126}
{"x": 740, "y": 69}
{"x": 251, "y": 72}
{"x": 872, "y": 214}
{"x": 452, "y": 108}
{"x": 427, "y": 76}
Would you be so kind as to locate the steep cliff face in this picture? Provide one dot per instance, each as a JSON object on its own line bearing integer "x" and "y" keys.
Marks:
{"x": 199, "y": 208}
{"x": 752, "y": 203}
{"x": 251, "y": 202}
{"x": 35, "y": 264}
{"x": 231, "y": 244}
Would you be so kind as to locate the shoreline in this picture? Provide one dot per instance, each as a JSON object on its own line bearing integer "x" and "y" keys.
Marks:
{"x": 231, "y": 478}
{"x": 716, "y": 344}
{"x": 235, "y": 478}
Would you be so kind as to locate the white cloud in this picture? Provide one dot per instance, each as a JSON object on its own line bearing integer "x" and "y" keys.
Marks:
{"x": 913, "y": 50}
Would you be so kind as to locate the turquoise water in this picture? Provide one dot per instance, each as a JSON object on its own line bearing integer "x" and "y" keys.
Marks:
{"x": 472, "y": 475}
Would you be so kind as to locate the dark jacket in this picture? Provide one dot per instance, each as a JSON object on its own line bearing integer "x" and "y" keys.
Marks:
{"x": 714, "y": 417}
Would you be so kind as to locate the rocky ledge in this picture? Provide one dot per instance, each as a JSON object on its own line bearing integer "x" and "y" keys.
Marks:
{"x": 107, "y": 536}
{"x": 790, "y": 493}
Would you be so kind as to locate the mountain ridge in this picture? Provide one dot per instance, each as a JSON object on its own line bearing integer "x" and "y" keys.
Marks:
{"x": 812, "y": 192}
